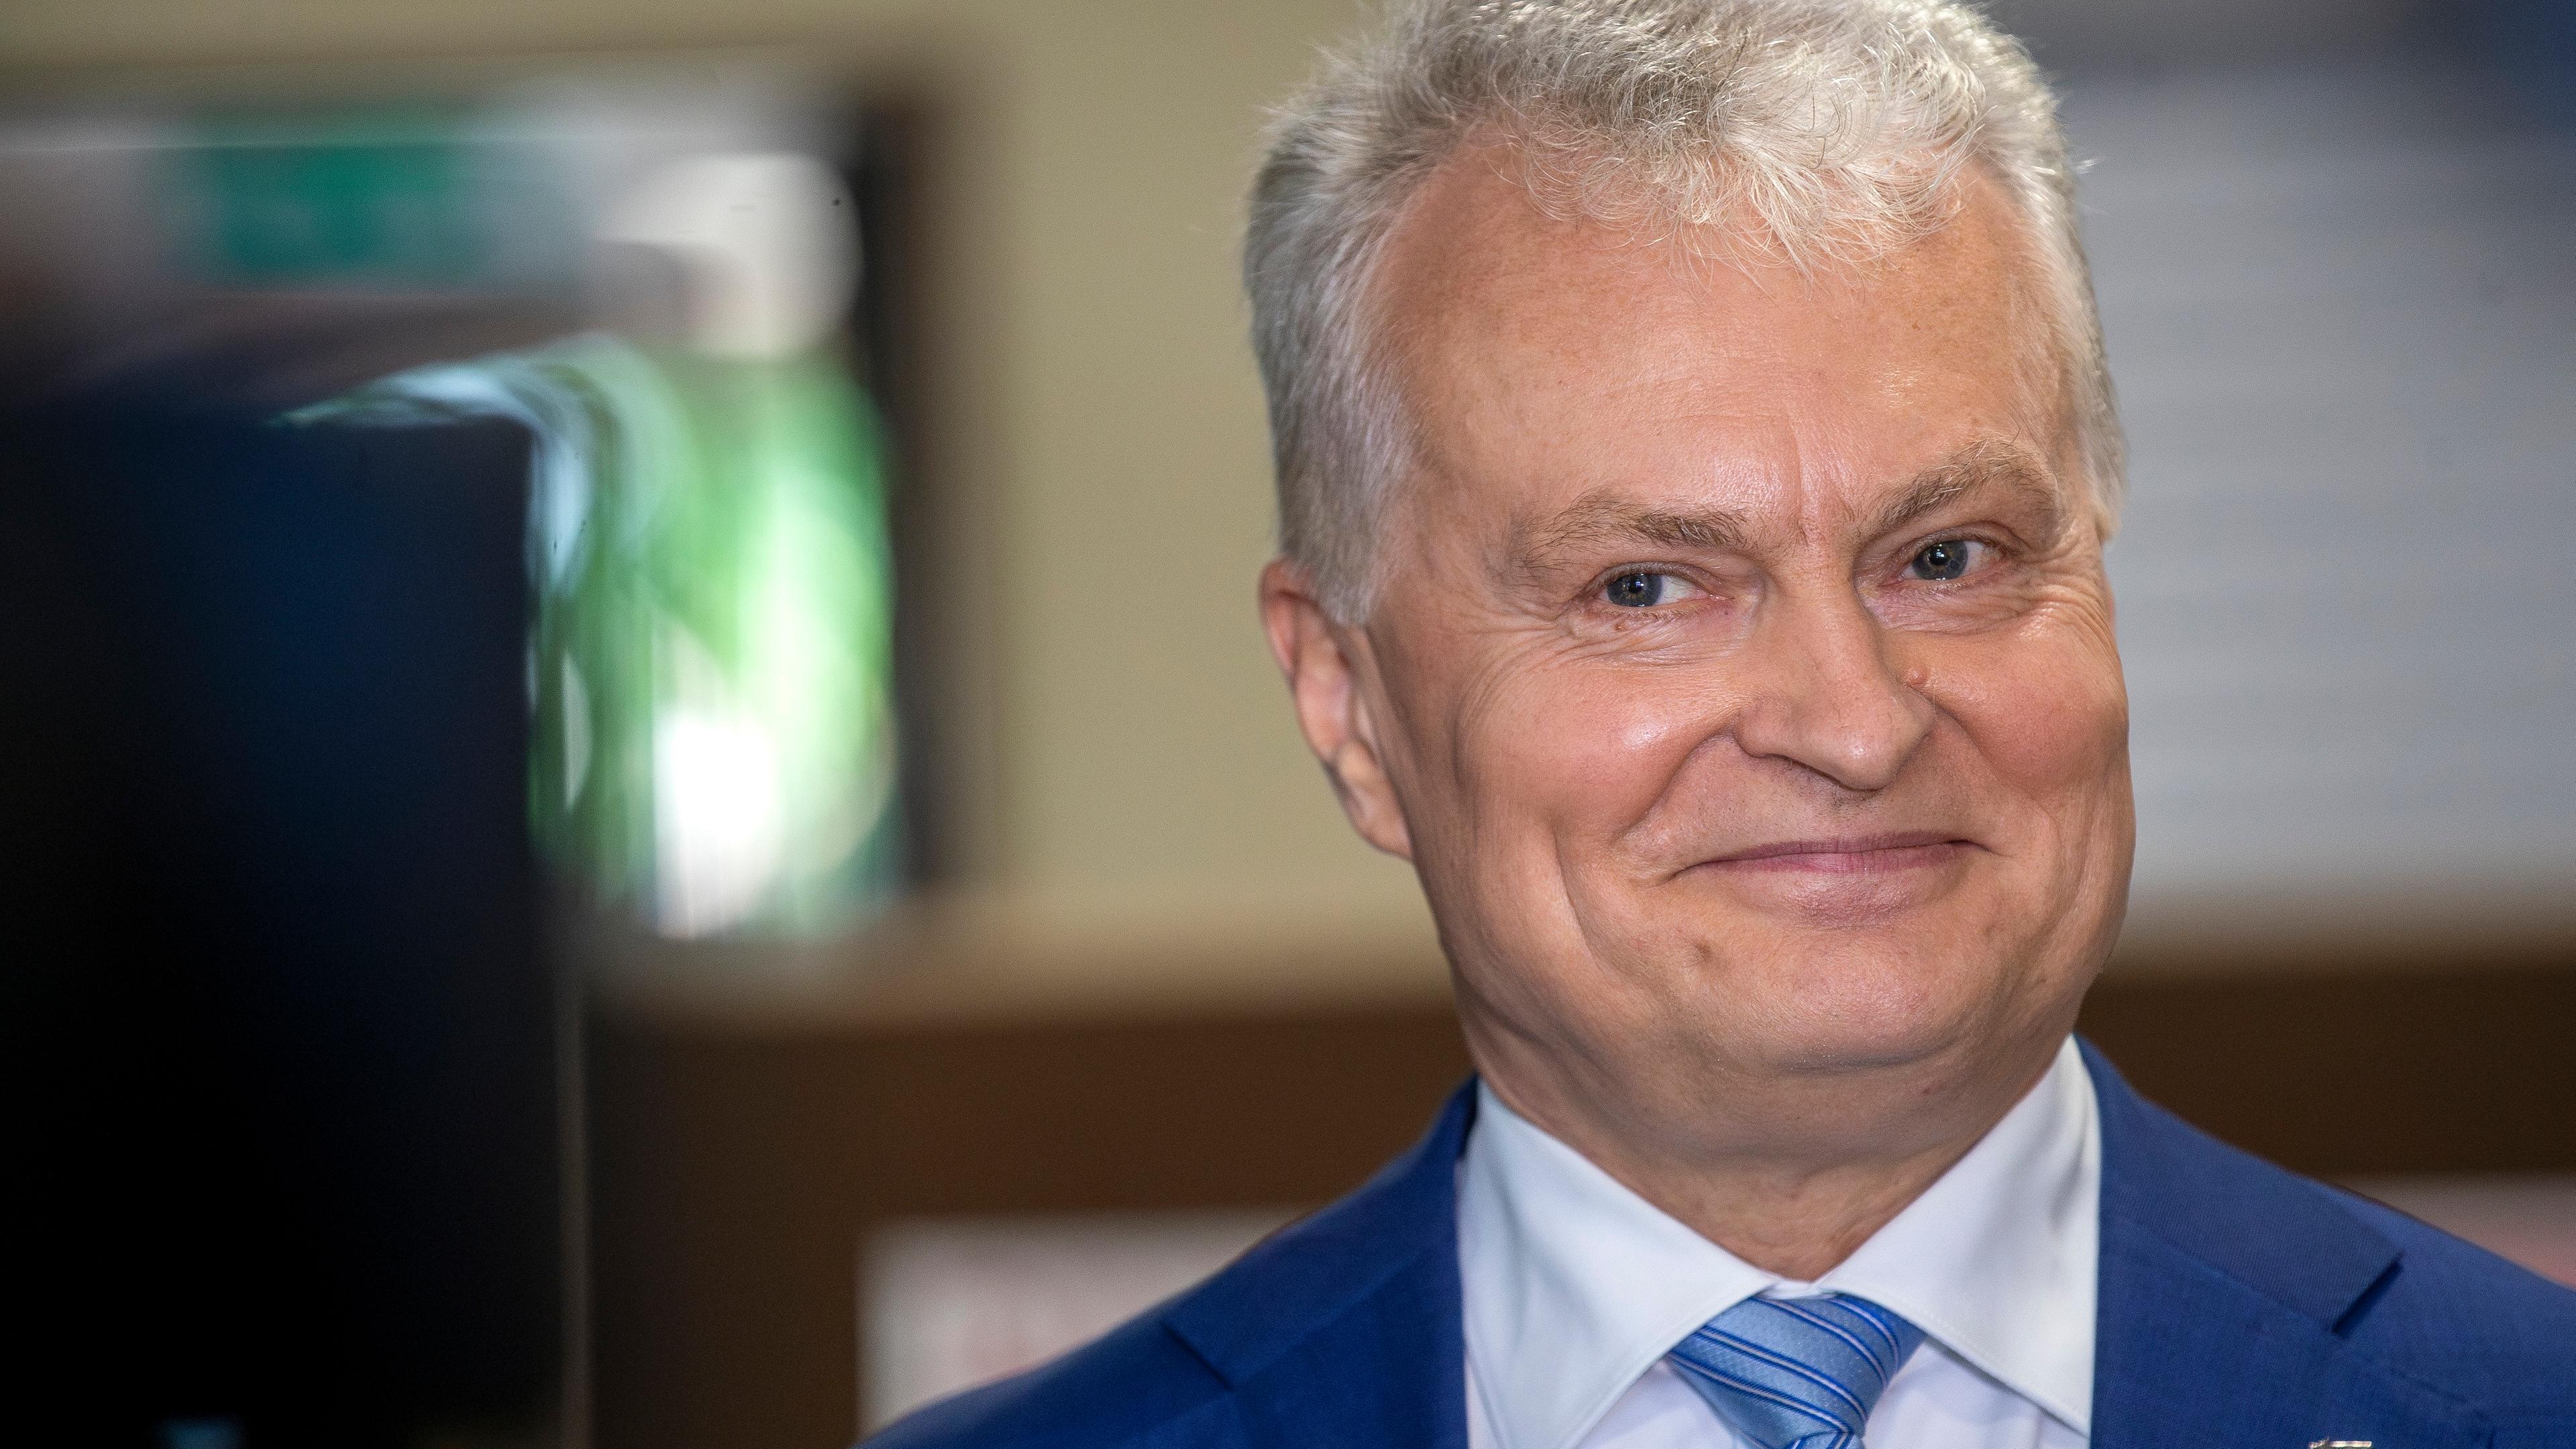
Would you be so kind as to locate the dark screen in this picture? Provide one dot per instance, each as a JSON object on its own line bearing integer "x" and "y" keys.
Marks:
{"x": 284, "y": 1039}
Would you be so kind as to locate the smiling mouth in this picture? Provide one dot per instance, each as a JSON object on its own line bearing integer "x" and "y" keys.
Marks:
{"x": 1848, "y": 854}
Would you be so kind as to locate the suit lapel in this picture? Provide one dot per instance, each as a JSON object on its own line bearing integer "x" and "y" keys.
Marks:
{"x": 1345, "y": 1329}
{"x": 2223, "y": 1283}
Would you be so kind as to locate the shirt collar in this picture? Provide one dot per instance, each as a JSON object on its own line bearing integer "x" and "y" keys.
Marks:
{"x": 1574, "y": 1286}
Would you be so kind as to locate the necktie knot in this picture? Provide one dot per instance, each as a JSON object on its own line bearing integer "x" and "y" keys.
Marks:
{"x": 1796, "y": 1373}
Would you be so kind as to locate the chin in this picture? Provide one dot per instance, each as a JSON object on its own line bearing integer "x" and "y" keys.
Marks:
{"x": 1845, "y": 1001}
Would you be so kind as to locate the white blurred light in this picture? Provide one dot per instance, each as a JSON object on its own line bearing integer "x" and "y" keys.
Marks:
{"x": 766, "y": 241}
{"x": 718, "y": 822}
{"x": 576, "y": 727}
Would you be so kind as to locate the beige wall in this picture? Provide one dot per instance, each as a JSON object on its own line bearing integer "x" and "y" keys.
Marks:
{"x": 1129, "y": 759}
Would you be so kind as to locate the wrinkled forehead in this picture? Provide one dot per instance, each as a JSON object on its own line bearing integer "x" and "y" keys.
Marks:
{"x": 1543, "y": 358}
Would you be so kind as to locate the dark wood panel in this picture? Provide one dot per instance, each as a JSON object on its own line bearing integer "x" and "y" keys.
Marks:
{"x": 2347, "y": 1076}
{"x": 737, "y": 1167}
{"x": 735, "y": 1175}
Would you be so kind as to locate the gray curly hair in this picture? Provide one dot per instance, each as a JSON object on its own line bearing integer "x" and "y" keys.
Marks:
{"x": 1806, "y": 130}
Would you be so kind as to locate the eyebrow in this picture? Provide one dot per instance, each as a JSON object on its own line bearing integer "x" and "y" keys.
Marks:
{"x": 1986, "y": 463}
{"x": 1603, "y": 518}
{"x": 1598, "y": 518}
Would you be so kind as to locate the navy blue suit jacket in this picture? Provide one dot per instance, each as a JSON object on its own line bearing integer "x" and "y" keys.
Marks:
{"x": 2240, "y": 1308}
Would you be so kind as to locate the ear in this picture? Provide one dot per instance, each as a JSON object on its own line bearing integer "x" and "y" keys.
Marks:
{"x": 1324, "y": 664}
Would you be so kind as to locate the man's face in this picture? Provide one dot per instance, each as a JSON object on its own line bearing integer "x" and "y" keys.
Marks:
{"x": 1742, "y": 674}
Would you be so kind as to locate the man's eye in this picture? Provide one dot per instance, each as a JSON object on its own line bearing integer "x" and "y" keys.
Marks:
{"x": 1644, "y": 588}
{"x": 1948, "y": 559}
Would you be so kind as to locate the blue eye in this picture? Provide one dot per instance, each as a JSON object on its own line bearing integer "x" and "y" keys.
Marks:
{"x": 1640, "y": 590}
{"x": 1942, "y": 561}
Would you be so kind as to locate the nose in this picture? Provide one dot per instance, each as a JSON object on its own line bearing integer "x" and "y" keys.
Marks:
{"x": 1829, "y": 697}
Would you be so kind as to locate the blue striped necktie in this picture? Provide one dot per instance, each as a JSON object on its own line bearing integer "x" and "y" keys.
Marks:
{"x": 1796, "y": 1373}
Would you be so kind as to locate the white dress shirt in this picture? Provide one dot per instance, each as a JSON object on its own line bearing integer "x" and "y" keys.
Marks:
{"x": 1575, "y": 1288}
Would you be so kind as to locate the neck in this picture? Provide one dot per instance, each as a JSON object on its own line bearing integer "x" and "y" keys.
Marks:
{"x": 1789, "y": 1175}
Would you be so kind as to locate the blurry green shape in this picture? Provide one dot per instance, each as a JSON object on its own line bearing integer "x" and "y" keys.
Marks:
{"x": 712, "y": 656}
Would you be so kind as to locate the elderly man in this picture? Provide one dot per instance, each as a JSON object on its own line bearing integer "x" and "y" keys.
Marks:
{"x": 1695, "y": 454}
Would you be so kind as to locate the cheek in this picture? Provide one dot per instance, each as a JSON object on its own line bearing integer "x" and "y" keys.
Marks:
{"x": 2047, "y": 715}
{"x": 1574, "y": 752}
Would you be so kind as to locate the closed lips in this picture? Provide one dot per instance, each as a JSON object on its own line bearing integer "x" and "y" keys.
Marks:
{"x": 1850, "y": 853}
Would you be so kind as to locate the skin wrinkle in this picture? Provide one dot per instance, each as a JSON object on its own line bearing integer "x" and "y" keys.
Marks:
{"x": 1783, "y": 1056}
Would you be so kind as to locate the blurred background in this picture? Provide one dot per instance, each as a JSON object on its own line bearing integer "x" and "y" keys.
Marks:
{"x": 639, "y": 798}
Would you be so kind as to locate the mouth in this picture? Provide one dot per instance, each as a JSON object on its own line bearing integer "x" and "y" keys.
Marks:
{"x": 1884, "y": 854}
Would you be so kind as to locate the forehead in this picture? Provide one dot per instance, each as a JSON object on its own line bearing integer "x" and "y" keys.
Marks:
{"x": 1543, "y": 358}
